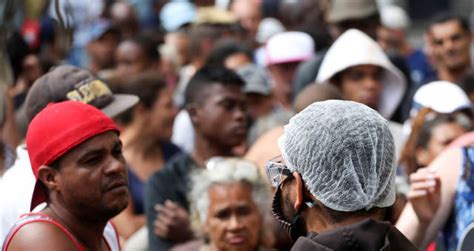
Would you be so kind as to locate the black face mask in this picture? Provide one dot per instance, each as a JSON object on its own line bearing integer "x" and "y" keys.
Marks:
{"x": 296, "y": 227}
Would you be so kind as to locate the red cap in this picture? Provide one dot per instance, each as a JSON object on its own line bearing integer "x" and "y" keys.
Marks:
{"x": 57, "y": 129}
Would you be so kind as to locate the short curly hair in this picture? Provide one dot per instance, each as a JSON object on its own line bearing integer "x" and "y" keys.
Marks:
{"x": 221, "y": 170}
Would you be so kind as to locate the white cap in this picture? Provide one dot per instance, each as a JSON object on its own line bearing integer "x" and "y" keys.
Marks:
{"x": 344, "y": 152}
{"x": 394, "y": 17}
{"x": 287, "y": 47}
{"x": 441, "y": 96}
{"x": 267, "y": 28}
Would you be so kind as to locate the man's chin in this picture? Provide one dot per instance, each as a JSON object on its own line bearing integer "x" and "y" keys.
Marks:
{"x": 114, "y": 209}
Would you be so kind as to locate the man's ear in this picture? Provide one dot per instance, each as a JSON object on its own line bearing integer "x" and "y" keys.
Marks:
{"x": 299, "y": 191}
{"x": 48, "y": 176}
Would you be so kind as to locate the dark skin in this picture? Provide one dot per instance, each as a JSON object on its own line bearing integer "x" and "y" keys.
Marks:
{"x": 316, "y": 218}
{"x": 131, "y": 59}
{"x": 85, "y": 192}
{"x": 219, "y": 121}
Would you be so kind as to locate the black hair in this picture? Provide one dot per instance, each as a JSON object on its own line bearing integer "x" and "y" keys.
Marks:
{"x": 148, "y": 46}
{"x": 209, "y": 75}
{"x": 426, "y": 131}
{"x": 17, "y": 49}
{"x": 147, "y": 86}
{"x": 444, "y": 17}
{"x": 225, "y": 48}
{"x": 340, "y": 216}
{"x": 198, "y": 35}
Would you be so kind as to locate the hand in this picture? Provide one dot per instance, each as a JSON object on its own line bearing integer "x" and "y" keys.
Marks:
{"x": 425, "y": 194}
{"x": 172, "y": 222}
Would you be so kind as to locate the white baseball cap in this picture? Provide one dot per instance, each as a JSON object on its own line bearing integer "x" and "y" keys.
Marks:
{"x": 441, "y": 96}
{"x": 394, "y": 17}
{"x": 287, "y": 47}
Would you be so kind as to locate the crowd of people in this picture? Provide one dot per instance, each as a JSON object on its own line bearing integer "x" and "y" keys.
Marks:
{"x": 234, "y": 125}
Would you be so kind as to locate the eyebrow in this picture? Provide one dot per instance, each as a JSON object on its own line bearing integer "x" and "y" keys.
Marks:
{"x": 116, "y": 143}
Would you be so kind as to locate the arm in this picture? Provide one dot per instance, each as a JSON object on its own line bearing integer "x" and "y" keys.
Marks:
{"x": 40, "y": 236}
{"x": 153, "y": 196}
{"x": 419, "y": 228}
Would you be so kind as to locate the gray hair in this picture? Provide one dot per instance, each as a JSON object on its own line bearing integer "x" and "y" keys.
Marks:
{"x": 221, "y": 170}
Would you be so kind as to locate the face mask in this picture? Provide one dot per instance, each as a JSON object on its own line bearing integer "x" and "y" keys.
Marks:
{"x": 294, "y": 229}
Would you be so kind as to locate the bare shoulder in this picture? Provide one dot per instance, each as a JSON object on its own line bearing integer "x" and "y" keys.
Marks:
{"x": 448, "y": 165}
{"x": 41, "y": 236}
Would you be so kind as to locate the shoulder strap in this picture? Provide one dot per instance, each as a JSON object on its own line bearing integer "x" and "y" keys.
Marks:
{"x": 38, "y": 217}
{"x": 111, "y": 237}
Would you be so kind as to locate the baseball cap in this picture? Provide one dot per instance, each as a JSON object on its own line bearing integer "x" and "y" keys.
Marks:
{"x": 214, "y": 15}
{"x": 67, "y": 82}
{"x": 267, "y": 28}
{"x": 99, "y": 27}
{"x": 56, "y": 130}
{"x": 287, "y": 47}
{"x": 255, "y": 81}
{"x": 341, "y": 10}
{"x": 441, "y": 97}
{"x": 394, "y": 17}
{"x": 186, "y": 10}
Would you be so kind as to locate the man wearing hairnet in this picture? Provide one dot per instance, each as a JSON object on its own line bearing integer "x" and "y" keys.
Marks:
{"x": 335, "y": 179}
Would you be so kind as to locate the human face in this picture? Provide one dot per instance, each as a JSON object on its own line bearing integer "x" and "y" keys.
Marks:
{"x": 233, "y": 222}
{"x": 258, "y": 105}
{"x": 282, "y": 76}
{"x": 31, "y": 68}
{"x": 441, "y": 136}
{"x": 248, "y": 14}
{"x": 237, "y": 60}
{"x": 280, "y": 177}
{"x": 450, "y": 45}
{"x": 102, "y": 50}
{"x": 92, "y": 179}
{"x": 221, "y": 117}
{"x": 131, "y": 59}
{"x": 362, "y": 83}
{"x": 390, "y": 39}
{"x": 283, "y": 208}
{"x": 162, "y": 115}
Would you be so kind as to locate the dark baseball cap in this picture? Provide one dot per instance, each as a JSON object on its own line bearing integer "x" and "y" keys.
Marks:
{"x": 67, "y": 82}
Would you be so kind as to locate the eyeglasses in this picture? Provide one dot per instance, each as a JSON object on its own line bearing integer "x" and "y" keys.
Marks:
{"x": 277, "y": 171}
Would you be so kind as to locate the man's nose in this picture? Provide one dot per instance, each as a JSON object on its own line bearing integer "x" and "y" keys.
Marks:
{"x": 234, "y": 223}
{"x": 115, "y": 166}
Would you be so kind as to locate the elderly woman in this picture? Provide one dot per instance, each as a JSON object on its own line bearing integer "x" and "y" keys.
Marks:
{"x": 228, "y": 200}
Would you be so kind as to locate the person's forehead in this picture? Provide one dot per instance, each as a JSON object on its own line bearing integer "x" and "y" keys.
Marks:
{"x": 364, "y": 67}
{"x": 218, "y": 91}
{"x": 448, "y": 27}
{"x": 221, "y": 195}
{"x": 97, "y": 142}
{"x": 129, "y": 48}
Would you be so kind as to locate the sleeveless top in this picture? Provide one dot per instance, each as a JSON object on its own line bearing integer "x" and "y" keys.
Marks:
{"x": 463, "y": 211}
{"x": 110, "y": 234}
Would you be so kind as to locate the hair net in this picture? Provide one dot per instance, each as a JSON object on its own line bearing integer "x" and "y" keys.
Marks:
{"x": 344, "y": 152}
